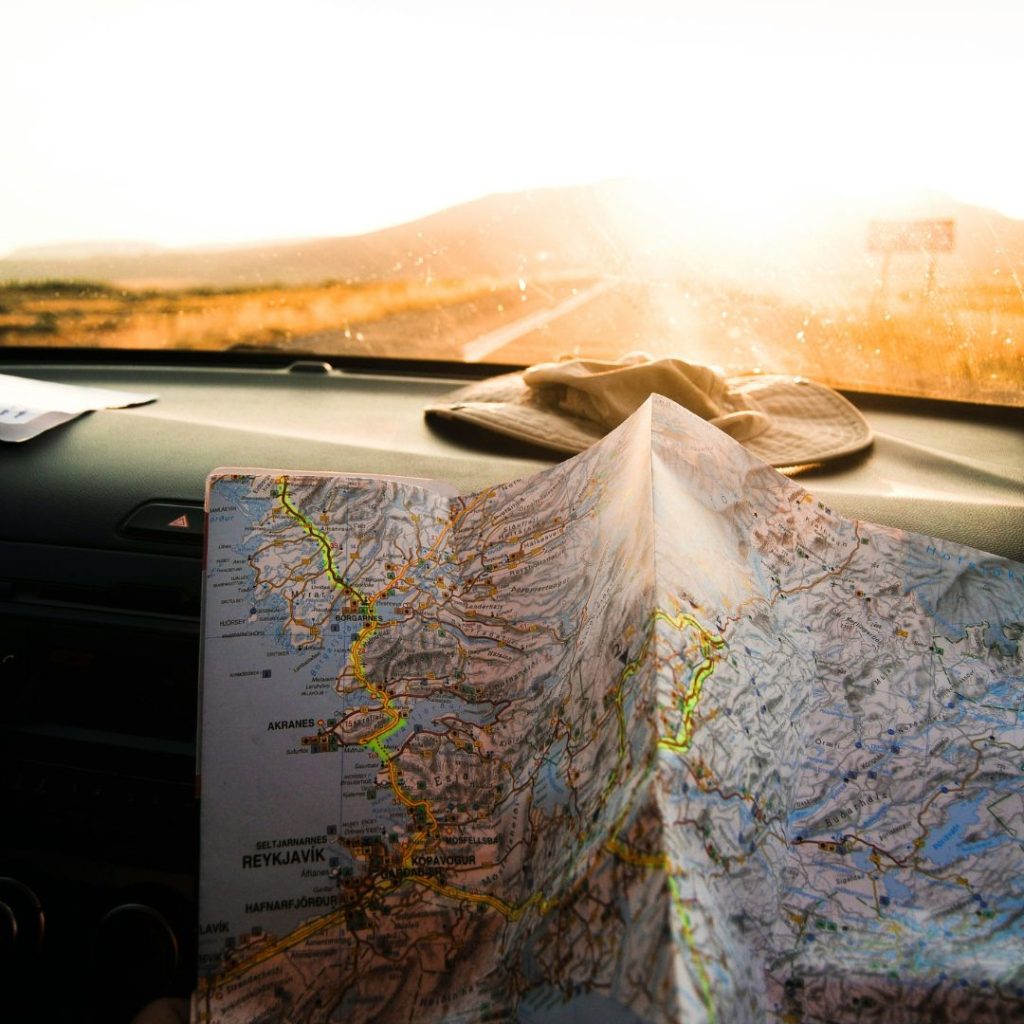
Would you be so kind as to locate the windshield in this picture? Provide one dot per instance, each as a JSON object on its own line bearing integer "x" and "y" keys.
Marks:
{"x": 821, "y": 189}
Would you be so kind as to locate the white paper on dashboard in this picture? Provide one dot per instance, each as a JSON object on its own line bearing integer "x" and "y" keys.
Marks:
{"x": 28, "y": 407}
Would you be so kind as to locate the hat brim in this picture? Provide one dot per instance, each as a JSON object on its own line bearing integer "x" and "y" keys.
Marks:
{"x": 807, "y": 422}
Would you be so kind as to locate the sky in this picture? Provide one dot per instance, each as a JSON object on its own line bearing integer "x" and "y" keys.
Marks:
{"x": 200, "y": 122}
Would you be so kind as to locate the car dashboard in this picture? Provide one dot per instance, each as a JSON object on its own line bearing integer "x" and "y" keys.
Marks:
{"x": 101, "y": 557}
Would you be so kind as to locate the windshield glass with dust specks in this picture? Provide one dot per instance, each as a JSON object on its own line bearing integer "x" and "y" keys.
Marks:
{"x": 821, "y": 189}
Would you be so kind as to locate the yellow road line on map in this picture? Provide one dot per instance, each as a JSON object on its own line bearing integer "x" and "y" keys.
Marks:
{"x": 709, "y": 643}
{"x": 679, "y": 743}
{"x": 703, "y": 981}
{"x": 394, "y": 719}
{"x": 510, "y": 911}
{"x": 293, "y": 938}
{"x": 364, "y": 635}
{"x": 618, "y": 848}
{"x": 629, "y": 670}
{"x": 435, "y": 547}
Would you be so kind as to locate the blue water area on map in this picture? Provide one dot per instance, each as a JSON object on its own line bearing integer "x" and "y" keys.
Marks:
{"x": 998, "y": 637}
{"x": 896, "y": 890}
{"x": 426, "y": 710}
{"x": 317, "y": 661}
{"x": 365, "y": 808}
{"x": 232, "y": 492}
{"x": 973, "y": 849}
{"x": 803, "y": 813}
{"x": 990, "y": 587}
{"x": 386, "y": 609}
{"x": 470, "y": 640}
{"x": 272, "y": 794}
{"x": 547, "y": 1007}
{"x": 874, "y": 819}
{"x": 861, "y": 860}
{"x": 550, "y": 790}
{"x": 945, "y": 842}
{"x": 1003, "y": 691}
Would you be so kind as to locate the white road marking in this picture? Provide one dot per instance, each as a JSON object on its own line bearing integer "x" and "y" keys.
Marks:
{"x": 475, "y": 350}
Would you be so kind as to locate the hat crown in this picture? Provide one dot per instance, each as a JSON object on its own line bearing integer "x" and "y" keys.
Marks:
{"x": 608, "y": 393}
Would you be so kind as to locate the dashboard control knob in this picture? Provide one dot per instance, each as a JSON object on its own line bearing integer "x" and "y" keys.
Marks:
{"x": 21, "y": 921}
{"x": 8, "y": 928}
{"x": 134, "y": 943}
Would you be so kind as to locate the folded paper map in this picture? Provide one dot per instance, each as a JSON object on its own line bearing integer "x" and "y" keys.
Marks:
{"x": 653, "y": 735}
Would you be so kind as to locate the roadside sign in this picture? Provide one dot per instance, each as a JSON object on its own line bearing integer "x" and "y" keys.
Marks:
{"x": 920, "y": 236}
{"x": 910, "y": 236}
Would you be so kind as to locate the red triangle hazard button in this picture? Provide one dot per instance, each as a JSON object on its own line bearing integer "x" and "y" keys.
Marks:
{"x": 166, "y": 521}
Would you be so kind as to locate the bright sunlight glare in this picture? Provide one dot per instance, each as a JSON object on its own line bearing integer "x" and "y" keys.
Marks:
{"x": 223, "y": 122}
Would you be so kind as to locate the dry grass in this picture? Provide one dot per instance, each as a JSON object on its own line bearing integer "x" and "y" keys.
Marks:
{"x": 965, "y": 344}
{"x": 961, "y": 343}
{"x": 77, "y": 314}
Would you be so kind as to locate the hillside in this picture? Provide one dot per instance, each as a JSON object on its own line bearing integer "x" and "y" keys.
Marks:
{"x": 500, "y": 236}
{"x": 612, "y": 227}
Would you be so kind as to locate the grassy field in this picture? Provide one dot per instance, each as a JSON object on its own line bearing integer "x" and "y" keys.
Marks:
{"x": 965, "y": 343}
{"x": 956, "y": 343}
{"x": 411, "y": 319}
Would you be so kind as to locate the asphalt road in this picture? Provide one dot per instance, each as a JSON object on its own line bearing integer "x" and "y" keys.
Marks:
{"x": 487, "y": 344}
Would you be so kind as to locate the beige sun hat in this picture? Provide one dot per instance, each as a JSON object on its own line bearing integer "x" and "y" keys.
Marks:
{"x": 567, "y": 406}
